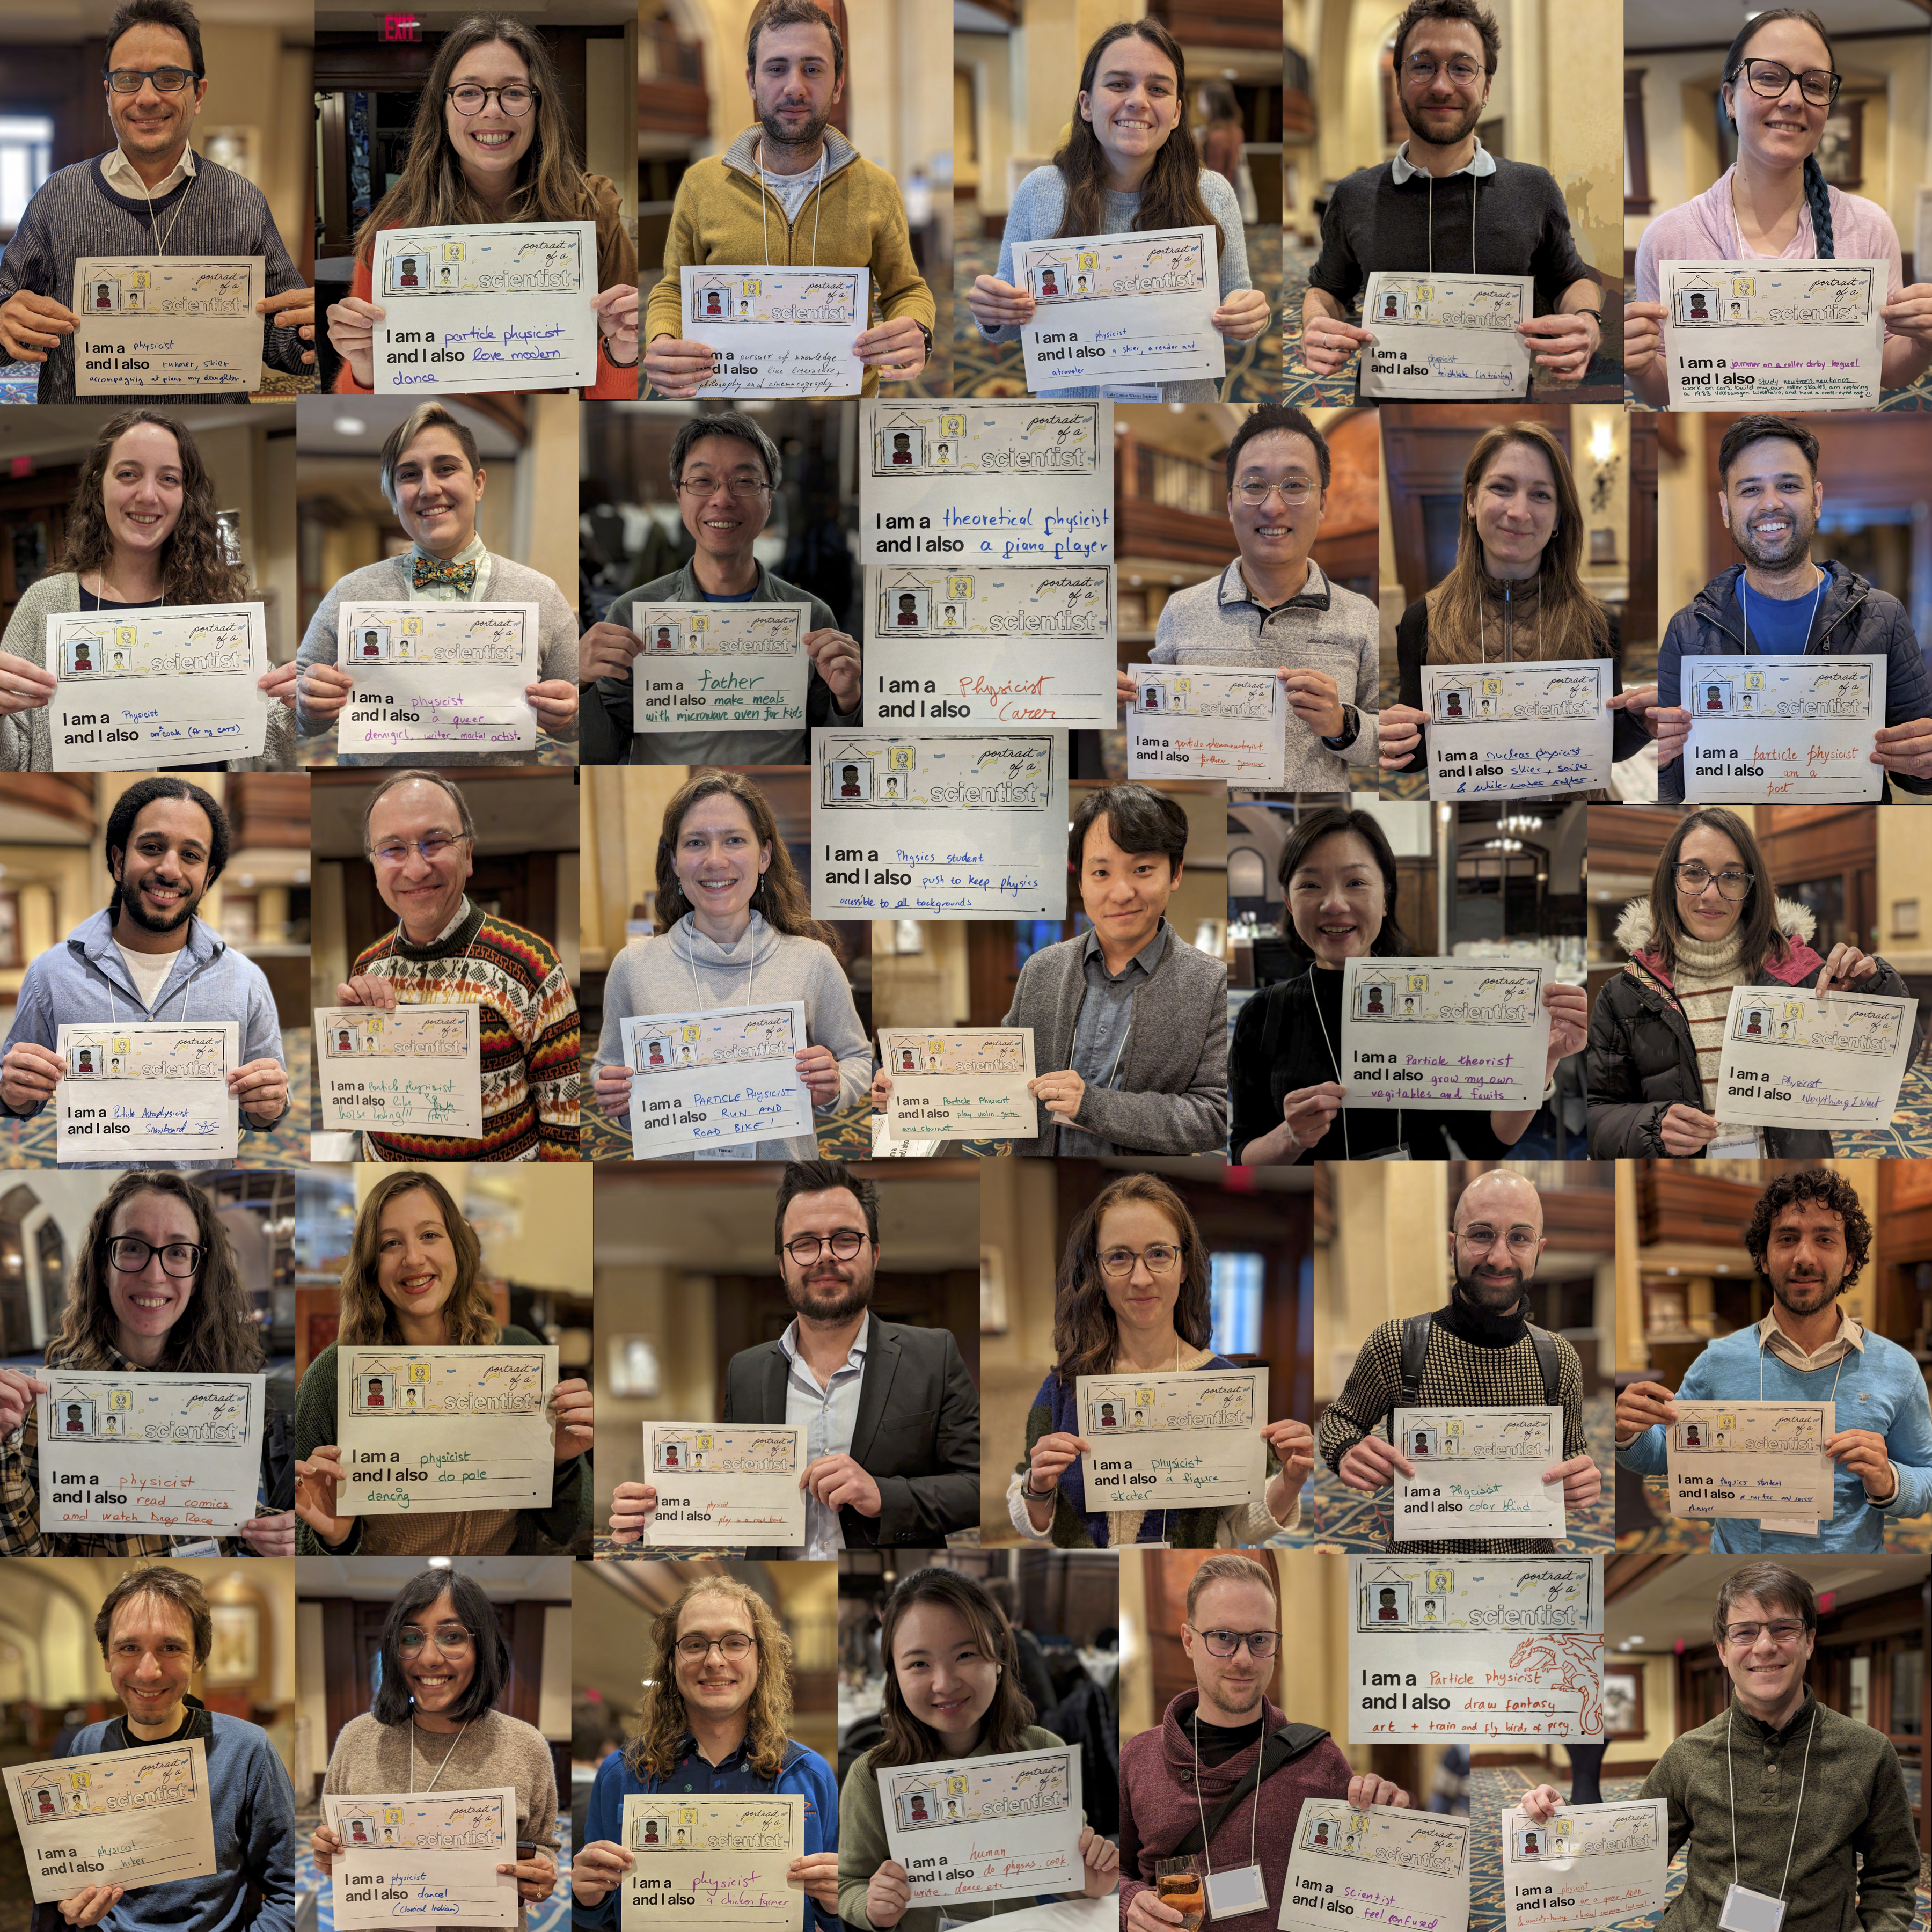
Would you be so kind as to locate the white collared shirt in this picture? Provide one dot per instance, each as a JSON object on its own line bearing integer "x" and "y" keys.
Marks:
{"x": 118, "y": 172}
{"x": 1849, "y": 1336}
{"x": 1482, "y": 162}
{"x": 474, "y": 551}
{"x": 830, "y": 1414}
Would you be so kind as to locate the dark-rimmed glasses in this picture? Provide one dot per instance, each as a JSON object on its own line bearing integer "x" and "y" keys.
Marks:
{"x": 130, "y": 1253}
{"x": 166, "y": 79}
{"x": 1160, "y": 1259}
{"x": 1224, "y": 1643}
{"x": 737, "y": 1646}
{"x": 741, "y": 487}
{"x": 1785, "y": 1630}
{"x": 1770, "y": 78}
{"x": 469, "y": 98}
{"x": 844, "y": 1244}
{"x": 1692, "y": 878}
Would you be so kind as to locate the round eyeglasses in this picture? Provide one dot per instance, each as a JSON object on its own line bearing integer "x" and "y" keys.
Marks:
{"x": 1770, "y": 78}
{"x": 1160, "y": 1258}
{"x": 469, "y": 98}
{"x": 844, "y": 1245}
{"x": 452, "y": 1640}
{"x": 736, "y": 1647}
{"x": 1692, "y": 878}
{"x": 130, "y": 1253}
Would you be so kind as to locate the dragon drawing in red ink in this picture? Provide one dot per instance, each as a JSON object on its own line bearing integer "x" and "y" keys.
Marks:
{"x": 1580, "y": 1659}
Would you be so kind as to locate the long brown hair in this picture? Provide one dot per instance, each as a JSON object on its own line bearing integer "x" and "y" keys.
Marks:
{"x": 369, "y": 1315}
{"x": 1573, "y": 624}
{"x": 1085, "y": 1335}
{"x": 195, "y": 568}
{"x": 1756, "y": 929}
{"x": 434, "y": 192}
{"x": 907, "y": 1740}
{"x": 1171, "y": 195}
{"x": 653, "y": 1751}
{"x": 216, "y": 1335}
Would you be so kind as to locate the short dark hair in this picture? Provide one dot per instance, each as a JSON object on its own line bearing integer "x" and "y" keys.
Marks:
{"x": 176, "y": 13}
{"x": 142, "y": 793}
{"x": 1773, "y": 1586}
{"x": 821, "y": 1177}
{"x": 1266, "y": 419}
{"x": 727, "y": 422}
{"x": 1478, "y": 17}
{"x": 477, "y": 1615}
{"x": 794, "y": 13}
{"x": 1748, "y": 430}
{"x": 175, "y": 1586}
{"x": 1391, "y": 942}
{"x": 1139, "y": 819}
{"x": 1821, "y": 1186}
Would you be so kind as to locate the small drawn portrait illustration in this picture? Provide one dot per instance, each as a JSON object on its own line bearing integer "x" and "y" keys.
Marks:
{"x": 374, "y": 1395}
{"x": 1387, "y": 1601}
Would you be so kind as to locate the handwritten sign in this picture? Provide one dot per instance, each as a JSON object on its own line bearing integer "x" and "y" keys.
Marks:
{"x": 414, "y": 1070}
{"x": 1478, "y": 1472}
{"x": 1764, "y": 1460}
{"x": 502, "y": 306}
{"x": 715, "y": 1077}
{"x": 1174, "y": 1442}
{"x": 136, "y": 1818}
{"x": 137, "y": 689}
{"x": 444, "y": 1429}
{"x": 991, "y": 482}
{"x": 136, "y": 1454}
{"x": 778, "y": 332}
{"x": 1451, "y": 337}
{"x": 938, "y": 826}
{"x": 1589, "y": 1865}
{"x": 1518, "y": 730}
{"x": 716, "y": 1862}
{"x": 1799, "y": 729}
{"x": 1445, "y": 1033}
{"x": 168, "y": 324}
{"x": 1203, "y": 723}
{"x": 1136, "y": 307}
{"x": 1773, "y": 334}
{"x": 961, "y": 1083}
{"x": 435, "y": 675}
{"x": 407, "y": 1858}
{"x": 1444, "y": 1647}
{"x": 148, "y": 1089}
{"x": 719, "y": 664}
{"x": 1792, "y": 1059}
{"x": 982, "y": 645}
{"x": 1377, "y": 1865}
{"x": 725, "y": 1483}
{"x": 986, "y": 1828}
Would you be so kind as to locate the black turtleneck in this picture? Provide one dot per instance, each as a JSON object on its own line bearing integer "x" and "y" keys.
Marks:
{"x": 1478, "y": 1328}
{"x": 1216, "y": 1744}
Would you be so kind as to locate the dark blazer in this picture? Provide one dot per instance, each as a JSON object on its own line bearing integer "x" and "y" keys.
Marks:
{"x": 917, "y": 1435}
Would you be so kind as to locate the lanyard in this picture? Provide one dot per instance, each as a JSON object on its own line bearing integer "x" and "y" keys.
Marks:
{"x": 1730, "y": 1782}
{"x": 1743, "y": 602}
{"x": 440, "y": 1769}
{"x": 1254, "y": 1823}
{"x": 1335, "y": 1062}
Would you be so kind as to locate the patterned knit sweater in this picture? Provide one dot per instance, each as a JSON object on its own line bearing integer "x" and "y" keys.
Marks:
{"x": 530, "y": 1044}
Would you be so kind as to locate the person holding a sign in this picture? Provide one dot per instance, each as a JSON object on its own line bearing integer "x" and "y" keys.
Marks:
{"x": 1132, "y": 1296}
{"x": 715, "y": 1720}
{"x": 490, "y": 143}
{"x": 414, "y": 1278}
{"x": 1338, "y": 882}
{"x": 1809, "y": 1239}
{"x": 1713, "y": 921}
{"x": 1513, "y": 215}
{"x": 953, "y": 1690}
{"x": 735, "y": 929}
{"x": 1129, "y": 161}
{"x": 147, "y": 956}
{"x": 1781, "y": 81}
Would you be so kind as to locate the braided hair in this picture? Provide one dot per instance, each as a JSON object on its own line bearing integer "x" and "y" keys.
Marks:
{"x": 1818, "y": 194}
{"x": 1817, "y": 191}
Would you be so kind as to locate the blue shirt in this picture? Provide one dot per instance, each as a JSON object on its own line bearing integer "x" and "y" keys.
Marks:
{"x": 1778, "y": 627}
{"x": 1106, "y": 1019}
{"x": 830, "y": 1415}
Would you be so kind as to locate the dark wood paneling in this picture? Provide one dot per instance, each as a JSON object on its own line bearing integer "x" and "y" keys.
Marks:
{"x": 1677, "y": 1202}
{"x": 270, "y": 809}
{"x": 752, "y": 1310}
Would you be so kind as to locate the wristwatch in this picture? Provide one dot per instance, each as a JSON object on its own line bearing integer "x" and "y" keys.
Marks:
{"x": 1351, "y": 725}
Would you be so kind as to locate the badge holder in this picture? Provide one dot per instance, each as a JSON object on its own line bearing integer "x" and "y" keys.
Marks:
{"x": 1230, "y": 1894}
{"x": 1748, "y": 1911}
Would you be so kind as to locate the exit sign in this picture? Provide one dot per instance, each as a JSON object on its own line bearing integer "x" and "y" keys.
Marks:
{"x": 401, "y": 27}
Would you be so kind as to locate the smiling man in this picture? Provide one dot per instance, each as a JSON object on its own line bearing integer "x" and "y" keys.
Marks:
{"x": 147, "y": 956}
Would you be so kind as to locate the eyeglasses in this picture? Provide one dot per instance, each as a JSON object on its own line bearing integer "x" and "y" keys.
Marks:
{"x": 166, "y": 79}
{"x": 392, "y": 852}
{"x": 742, "y": 488}
{"x": 1692, "y": 878}
{"x": 1520, "y": 1240}
{"x": 1160, "y": 1258}
{"x": 469, "y": 98}
{"x": 1784, "y": 1631}
{"x": 1261, "y": 1644}
{"x": 452, "y": 1640}
{"x": 130, "y": 1253}
{"x": 735, "y": 1647}
{"x": 1770, "y": 78}
{"x": 1463, "y": 71}
{"x": 807, "y": 1249}
{"x": 1254, "y": 493}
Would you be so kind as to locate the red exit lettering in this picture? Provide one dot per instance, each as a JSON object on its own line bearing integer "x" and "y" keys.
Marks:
{"x": 401, "y": 27}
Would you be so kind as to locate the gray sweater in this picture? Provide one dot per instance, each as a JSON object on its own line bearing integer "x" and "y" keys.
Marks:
{"x": 509, "y": 582}
{"x": 681, "y": 970}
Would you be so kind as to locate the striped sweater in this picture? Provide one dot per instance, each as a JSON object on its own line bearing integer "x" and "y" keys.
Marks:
{"x": 529, "y": 1045}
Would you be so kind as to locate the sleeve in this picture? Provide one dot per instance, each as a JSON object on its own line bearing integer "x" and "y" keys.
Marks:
{"x": 26, "y": 637}
{"x": 619, "y": 1004}
{"x": 896, "y": 282}
{"x": 862, "y": 1842}
{"x": 1666, "y": 1781}
{"x": 33, "y": 1020}
{"x": 1022, "y": 225}
{"x": 1555, "y": 264}
{"x": 603, "y": 1824}
{"x": 1908, "y": 692}
{"x": 261, "y": 1040}
{"x": 281, "y": 348}
{"x": 1166, "y": 646}
{"x": 1249, "y": 1525}
{"x": 1366, "y": 747}
{"x": 554, "y": 1061}
{"x": 317, "y": 647}
{"x": 28, "y": 263}
{"x": 1670, "y": 694}
{"x": 1894, "y": 280}
{"x": 1908, "y": 1442}
{"x": 1648, "y": 1454}
{"x": 1646, "y": 283}
{"x": 1016, "y": 1511}
{"x": 1248, "y": 1090}
{"x": 1621, "y": 1122}
{"x": 597, "y": 742}
{"x": 539, "y": 1794}
{"x": 566, "y": 1524}
{"x": 1227, "y": 211}
{"x": 1364, "y": 1402}
{"x": 614, "y": 694}
{"x": 823, "y": 1836}
{"x": 1570, "y": 1388}
{"x": 362, "y": 287}
{"x": 19, "y": 1492}
{"x": 925, "y": 1510}
{"x": 1336, "y": 272}
{"x": 1131, "y": 1881}
{"x": 557, "y": 649}
{"x": 269, "y": 1832}
{"x": 1887, "y": 1843}
{"x": 1627, "y": 735}
{"x": 832, "y": 1020}
{"x": 616, "y": 268}
{"x": 664, "y": 307}
{"x": 1193, "y": 1121}
{"x": 314, "y": 1424}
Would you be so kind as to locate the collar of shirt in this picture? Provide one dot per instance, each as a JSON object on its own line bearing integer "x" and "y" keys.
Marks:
{"x": 1850, "y": 1336}
{"x": 474, "y": 551}
{"x": 1147, "y": 959}
{"x": 1313, "y": 593}
{"x": 1482, "y": 162}
{"x": 118, "y": 172}
{"x": 196, "y": 1723}
{"x": 856, "y": 1360}
{"x": 687, "y": 1748}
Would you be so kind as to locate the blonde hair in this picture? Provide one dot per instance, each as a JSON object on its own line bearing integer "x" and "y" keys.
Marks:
{"x": 1225, "y": 1566}
{"x": 369, "y": 1315}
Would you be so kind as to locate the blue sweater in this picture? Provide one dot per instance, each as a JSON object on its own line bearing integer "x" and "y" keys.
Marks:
{"x": 254, "y": 1808}
{"x": 1881, "y": 1389}
{"x": 804, "y": 1772}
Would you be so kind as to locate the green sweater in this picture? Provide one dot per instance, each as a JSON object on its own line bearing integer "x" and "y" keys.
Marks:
{"x": 1855, "y": 1804}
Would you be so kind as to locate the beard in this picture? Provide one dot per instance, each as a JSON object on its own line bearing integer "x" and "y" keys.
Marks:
{"x": 824, "y": 1300}
{"x": 1792, "y": 550}
{"x": 1448, "y": 137}
{"x": 1805, "y": 1297}
{"x": 129, "y": 902}
{"x": 807, "y": 137}
{"x": 1491, "y": 1297}
{"x": 1226, "y": 1697}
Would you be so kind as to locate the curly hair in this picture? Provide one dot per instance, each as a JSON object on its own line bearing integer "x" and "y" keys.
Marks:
{"x": 1085, "y": 1335}
{"x": 1819, "y": 1187}
{"x": 367, "y": 1313}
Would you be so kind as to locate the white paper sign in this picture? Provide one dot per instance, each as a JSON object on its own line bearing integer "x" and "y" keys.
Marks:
{"x": 1518, "y": 730}
{"x": 409, "y": 1859}
{"x": 715, "y": 1077}
{"x": 137, "y": 1453}
{"x": 722, "y": 1482}
{"x": 1445, "y": 1647}
{"x": 502, "y": 306}
{"x": 707, "y": 664}
{"x": 1205, "y": 723}
{"x": 778, "y": 332}
{"x": 1755, "y": 1459}
{"x": 1478, "y": 1472}
{"x": 434, "y": 676}
{"x": 432, "y": 1429}
{"x": 148, "y": 1090}
{"x": 986, "y": 1828}
{"x": 1136, "y": 307}
{"x": 959, "y": 1083}
{"x": 140, "y": 688}
{"x": 1798, "y": 729}
{"x": 1773, "y": 334}
{"x": 980, "y": 645}
{"x": 1792, "y": 1059}
{"x": 934, "y": 825}
{"x": 987, "y": 481}
{"x": 169, "y": 324}
{"x": 1451, "y": 337}
{"x": 1589, "y": 1865}
{"x": 1377, "y": 1865}
{"x": 1445, "y": 1033}
{"x": 716, "y": 1862}
{"x": 416, "y": 1069}
{"x": 1174, "y": 1442}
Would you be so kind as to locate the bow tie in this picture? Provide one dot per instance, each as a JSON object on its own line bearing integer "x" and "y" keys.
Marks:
{"x": 428, "y": 570}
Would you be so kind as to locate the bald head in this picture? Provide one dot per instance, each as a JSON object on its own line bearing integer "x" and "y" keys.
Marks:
{"x": 1496, "y": 1238}
{"x": 1499, "y": 1196}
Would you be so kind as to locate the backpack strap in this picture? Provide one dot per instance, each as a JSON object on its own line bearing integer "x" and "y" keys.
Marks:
{"x": 1415, "y": 1352}
{"x": 1278, "y": 1748}
{"x": 1545, "y": 1345}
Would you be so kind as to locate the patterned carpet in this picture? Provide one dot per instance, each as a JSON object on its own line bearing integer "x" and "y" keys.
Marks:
{"x": 844, "y": 1136}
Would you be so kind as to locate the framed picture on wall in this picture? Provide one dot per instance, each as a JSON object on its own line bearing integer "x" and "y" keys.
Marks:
{"x": 1623, "y": 1700}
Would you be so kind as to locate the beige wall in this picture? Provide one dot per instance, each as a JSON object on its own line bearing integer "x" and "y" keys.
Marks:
{"x": 1017, "y": 1217}
{"x": 611, "y": 119}
{"x": 1660, "y": 1713}
{"x": 542, "y": 497}
{"x": 928, "y": 989}
{"x": 1683, "y": 511}
{"x": 1388, "y": 1258}
{"x": 675, "y": 1310}
{"x": 623, "y": 807}
{"x": 256, "y": 82}
{"x": 543, "y": 1241}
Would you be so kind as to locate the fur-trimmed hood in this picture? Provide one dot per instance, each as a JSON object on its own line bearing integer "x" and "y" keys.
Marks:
{"x": 1635, "y": 931}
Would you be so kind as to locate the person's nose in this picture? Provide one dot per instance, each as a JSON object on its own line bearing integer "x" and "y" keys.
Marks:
{"x": 415, "y": 867}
